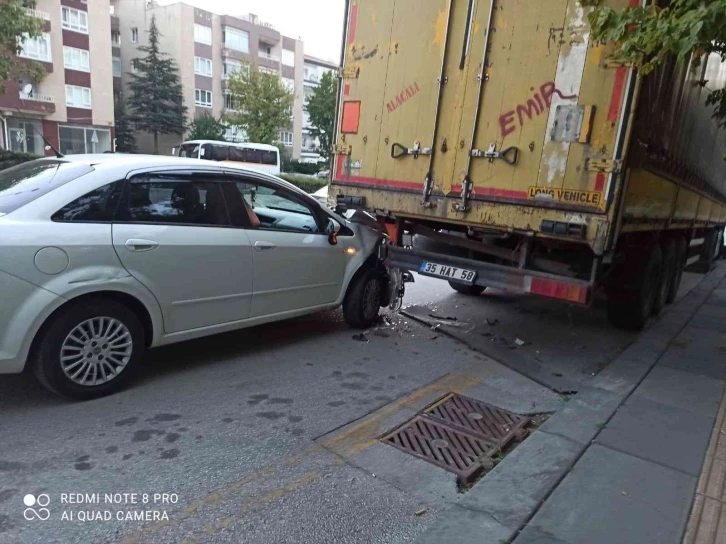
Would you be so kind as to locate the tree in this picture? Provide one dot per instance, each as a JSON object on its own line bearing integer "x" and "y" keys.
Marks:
{"x": 158, "y": 104}
{"x": 16, "y": 25}
{"x": 125, "y": 137}
{"x": 206, "y": 127}
{"x": 321, "y": 109}
{"x": 647, "y": 36}
{"x": 265, "y": 105}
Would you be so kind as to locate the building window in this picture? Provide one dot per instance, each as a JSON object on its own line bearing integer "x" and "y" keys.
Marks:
{"x": 78, "y": 97}
{"x": 266, "y": 70}
{"x": 286, "y": 138}
{"x": 289, "y": 84}
{"x": 37, "y": 48}
{"x": 74, "y": 19}
{"x": 134, "y": 35}
{"x": 231, "y": 103}
{"x": 76, "y": 59}
{"x": 202, "y": 34}
{"x": 134, "y": 66}
{"x": 239, "y": 40}
{"x": 203, "y": 98}
{"x": 25, "y": 136}
{"x": 75, "y": 140}
{"x": 288, "y": 57}
{"x": 203, "y": 66}
{"x": 116, "y": 65}
{"x": 231, "y": 67}
{"x": 235, "y": 134}
{"x": 115, "y": 38}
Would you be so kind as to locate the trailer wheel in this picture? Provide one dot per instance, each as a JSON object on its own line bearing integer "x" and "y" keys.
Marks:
{"x": 631, "y": 303}
{"x": 471, "y": 290}
{"x": 668, "y": 249}
{"x": 680, "y": 264}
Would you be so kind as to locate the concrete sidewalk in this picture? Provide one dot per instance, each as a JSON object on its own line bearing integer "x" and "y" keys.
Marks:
{"x": 622, "y": 461}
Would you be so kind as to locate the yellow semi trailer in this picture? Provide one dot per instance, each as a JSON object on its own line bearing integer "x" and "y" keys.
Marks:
{"x": 502, "y": 147}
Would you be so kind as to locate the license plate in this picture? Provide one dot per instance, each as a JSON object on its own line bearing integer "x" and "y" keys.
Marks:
{"x": 449, "y": 272}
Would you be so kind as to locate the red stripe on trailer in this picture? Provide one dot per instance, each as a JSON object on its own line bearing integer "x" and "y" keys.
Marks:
{"x": 600, "y": 182}
{"x": 353, "y": 24}
{"x": 620, "y": 76}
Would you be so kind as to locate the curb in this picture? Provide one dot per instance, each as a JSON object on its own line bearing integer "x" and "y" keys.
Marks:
{"x": 504, "y": 502}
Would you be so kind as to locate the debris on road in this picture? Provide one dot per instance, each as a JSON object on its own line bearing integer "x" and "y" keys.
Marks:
{"x": 421, "y": 512}
{"x": 492, "y": 322}
{"x": 361, "y": 338}
{"x": 520, "y": 343}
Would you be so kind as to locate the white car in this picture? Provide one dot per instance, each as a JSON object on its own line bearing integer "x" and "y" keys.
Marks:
{"x": 104, "y": 256}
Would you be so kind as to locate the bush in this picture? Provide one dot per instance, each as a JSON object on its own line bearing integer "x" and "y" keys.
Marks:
{"x": 306, "y": 168}
{"x": 9, "y": 159}
{"x": 308, "y": 184}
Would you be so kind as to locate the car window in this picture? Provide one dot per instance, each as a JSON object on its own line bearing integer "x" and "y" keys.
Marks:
{"x": 189, "y": 151}
{"x": 26, "y": 182}
{"x": 97, "y": 206}
{"x": 186, "y": 202}
{"x": 277, "y": 209}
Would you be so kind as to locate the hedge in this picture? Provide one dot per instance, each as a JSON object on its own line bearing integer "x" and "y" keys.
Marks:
{"x": 9, "y": 159}
{"x": 308, "y": 184}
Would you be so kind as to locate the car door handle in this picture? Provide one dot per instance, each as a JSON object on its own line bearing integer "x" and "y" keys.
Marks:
{"x": 140, "y": 245}
{"x": 264, "y": 246}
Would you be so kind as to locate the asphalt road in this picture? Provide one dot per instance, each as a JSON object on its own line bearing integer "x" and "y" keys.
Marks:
{"x": 271, "y": 434}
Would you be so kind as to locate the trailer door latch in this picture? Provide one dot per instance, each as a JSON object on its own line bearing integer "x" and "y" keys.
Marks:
{"x": 398, "y": 150}
{"x": 467, "y": 189}
{"x": 509, "y": 155}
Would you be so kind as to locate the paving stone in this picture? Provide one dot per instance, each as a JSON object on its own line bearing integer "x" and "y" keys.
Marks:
{"x": 516, "y": 394}
{"x": 612, "y": 497}
{"x": 584, "y": 415}
{"x": 670, "y": 436}
{"x": 513, "y": 490}
{"x": 709, "y": 323}
{"x": 534, "y": 535}
{"x": 623, "y": 375}
{"x": 682, "y": 390}
{"x": 709, "y": 362}
{"x": 459, "y": 525}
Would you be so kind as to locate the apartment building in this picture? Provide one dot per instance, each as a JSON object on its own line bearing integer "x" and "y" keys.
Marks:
{"x": 72, "y": 107}
{"x": 313, "y": 71}
{"x": 208, "y": 48}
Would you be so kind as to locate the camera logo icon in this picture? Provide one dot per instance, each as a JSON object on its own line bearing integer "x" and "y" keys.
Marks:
{"x": 41, "y": 501}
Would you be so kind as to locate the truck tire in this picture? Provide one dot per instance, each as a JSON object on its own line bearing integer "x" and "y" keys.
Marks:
{"x": 471, "y": 290}
{"x": 680, "y": 262}
{"x": 668, "y": 249}
{"x": 630, "y": 305}
{"x": 362, "y": 302}
{"x": 103, "y": 341}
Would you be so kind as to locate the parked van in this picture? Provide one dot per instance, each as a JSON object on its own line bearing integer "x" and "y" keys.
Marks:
{"x": 263, "y": 157}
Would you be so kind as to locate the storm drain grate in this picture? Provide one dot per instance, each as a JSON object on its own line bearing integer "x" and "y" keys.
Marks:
{"x": 456, "y": 450}
{"x": 459, "y": 434}
{"x": 499, "y": 426}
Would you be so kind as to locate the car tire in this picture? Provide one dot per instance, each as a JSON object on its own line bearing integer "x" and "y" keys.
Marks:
{"x": 631, "y": 300}
{"x": 108, "y": 352}
{"x": 362, "y": 302}
{"x": 680, "y": 264}
{"x": 464, "y": 289}
{"x": 668, "y": 249}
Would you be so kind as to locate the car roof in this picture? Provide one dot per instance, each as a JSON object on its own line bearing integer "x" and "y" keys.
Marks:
{"x": 153, "y": 161}
{"x": 249, "y": 145}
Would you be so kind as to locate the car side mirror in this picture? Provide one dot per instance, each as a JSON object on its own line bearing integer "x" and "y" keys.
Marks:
{"x": 333, "y": 229}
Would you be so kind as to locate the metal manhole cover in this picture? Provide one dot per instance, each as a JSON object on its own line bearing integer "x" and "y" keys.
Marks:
{"x": 495, "y": 424}
{"x": 456, "y": 450}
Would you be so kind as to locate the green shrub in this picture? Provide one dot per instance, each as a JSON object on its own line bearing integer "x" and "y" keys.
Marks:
{"x": 309, "y": 184}
{"x": 306, "y": 168}
{"x": 9, "y": 159}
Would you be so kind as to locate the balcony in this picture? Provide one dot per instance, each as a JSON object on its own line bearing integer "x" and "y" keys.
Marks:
{"x": 273, "y": 58}
{"x": 36, "y": 97}
{"x": 38, "y": 14}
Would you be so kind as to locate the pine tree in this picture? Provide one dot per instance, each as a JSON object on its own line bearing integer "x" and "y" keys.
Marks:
{"x": 157, "y": 105}
{"x": 125, "y": 137}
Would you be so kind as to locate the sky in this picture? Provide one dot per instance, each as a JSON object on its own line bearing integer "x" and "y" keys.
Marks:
{"x": 318, "y": 22}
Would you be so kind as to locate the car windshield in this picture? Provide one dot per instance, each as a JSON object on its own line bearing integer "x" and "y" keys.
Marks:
{"x": 189, "y": 151}
{"x": 24, "y": 183}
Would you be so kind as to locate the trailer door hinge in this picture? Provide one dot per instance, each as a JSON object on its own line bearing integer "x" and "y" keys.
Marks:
{"x": 610, "y": 166}
{"x": 428, "y": 188}
{"x": 342, "y": 148}
{"x": 467, "y": 188}
{"x": 349, "y": 72}
{"x": 509, "y": 155}
{"x": 398, "y": 150}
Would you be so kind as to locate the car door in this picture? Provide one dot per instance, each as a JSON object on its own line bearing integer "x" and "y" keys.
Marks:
{"x": 295, "y": 267}
{"x": 173, "y": 233}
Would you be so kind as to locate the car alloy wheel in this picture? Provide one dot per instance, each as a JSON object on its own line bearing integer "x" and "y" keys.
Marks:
{"x": 372, "y": 298}
{"x": 96, "y": 351}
